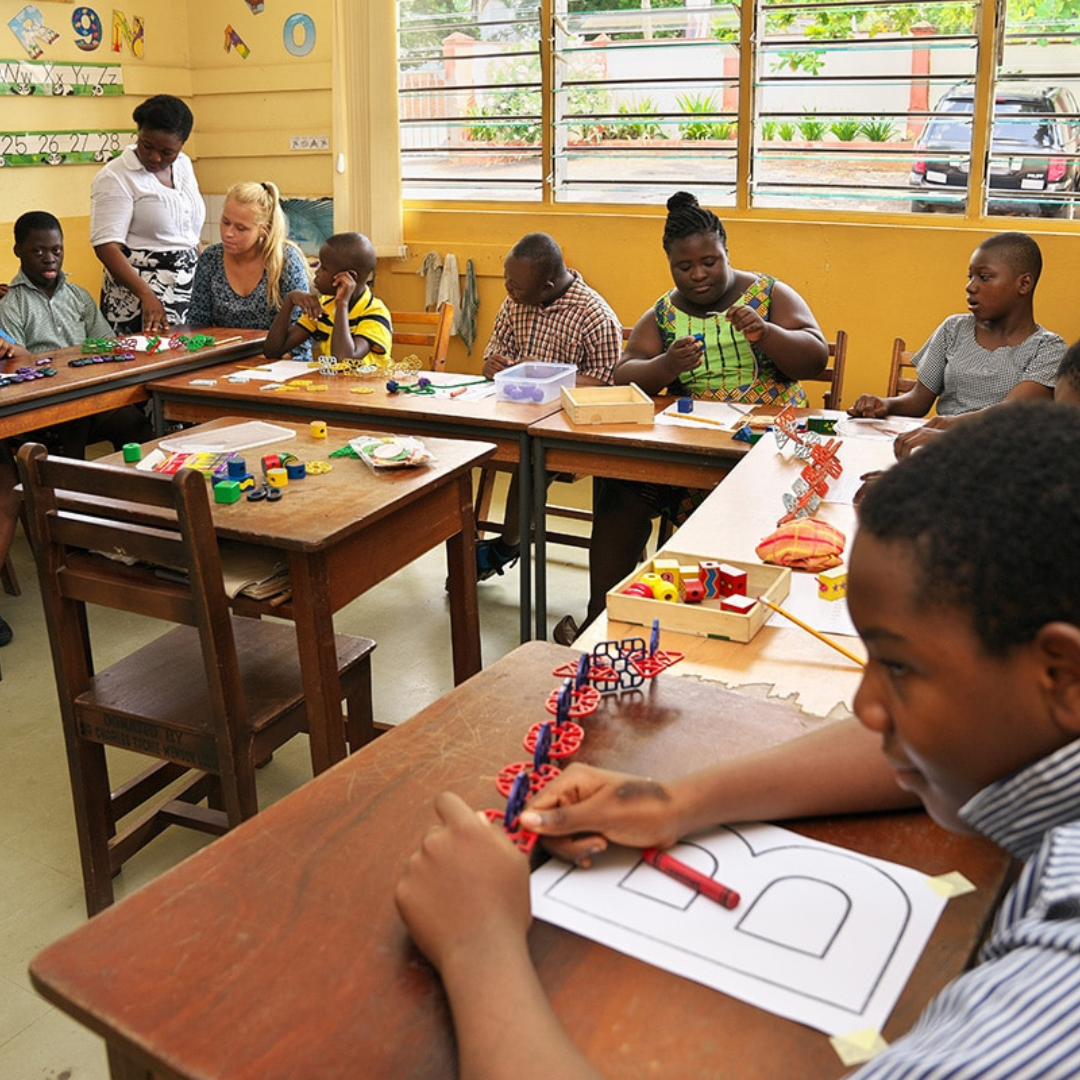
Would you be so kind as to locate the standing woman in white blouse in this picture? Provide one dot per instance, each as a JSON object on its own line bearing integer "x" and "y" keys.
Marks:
{"x": 146, "y": 214}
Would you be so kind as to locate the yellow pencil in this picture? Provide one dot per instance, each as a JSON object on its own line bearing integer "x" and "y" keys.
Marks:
{"x": 701, "y": 419}
{"x": 810, "y": 630}
{"x": 230, "y": 340}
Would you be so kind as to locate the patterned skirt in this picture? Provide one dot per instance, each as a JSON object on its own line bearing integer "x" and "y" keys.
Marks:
{"x": 169, "y": 274}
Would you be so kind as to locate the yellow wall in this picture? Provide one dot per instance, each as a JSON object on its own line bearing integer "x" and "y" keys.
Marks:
{"x": 876, "y": 281}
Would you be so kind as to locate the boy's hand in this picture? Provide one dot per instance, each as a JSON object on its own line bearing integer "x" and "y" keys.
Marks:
{"x": 684, "y": 355}
{"x": 579, "y": 812}
{"x": 344, "y": 285}
{"x": 494, "y": 364}
{"x": 869, "y": 406}
{"x": 747, "y": 321}
{"x": 307, "y": 302}
{"x": 466, "y": 889}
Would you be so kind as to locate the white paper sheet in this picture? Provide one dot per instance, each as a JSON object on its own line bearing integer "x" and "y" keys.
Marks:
{"x": 728, "y": 415}
{"x": 823, "y": 936}
{"x": 275, "y": 371}
{"x": 803, "y": 601}
{"x": 854, "y": 427}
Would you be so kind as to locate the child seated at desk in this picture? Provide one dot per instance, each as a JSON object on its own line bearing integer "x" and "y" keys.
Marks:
{"x": 345, "y": 320}
{"x": 996, "y": 352}
{"x": 41, "y": 311}
{"x": 968, "y": 602}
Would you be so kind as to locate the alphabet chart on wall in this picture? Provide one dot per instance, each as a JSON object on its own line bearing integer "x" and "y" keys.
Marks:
{"x": 822, "y": 935}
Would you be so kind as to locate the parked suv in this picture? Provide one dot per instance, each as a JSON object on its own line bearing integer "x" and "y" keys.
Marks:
{"x": 1028, "y": 120}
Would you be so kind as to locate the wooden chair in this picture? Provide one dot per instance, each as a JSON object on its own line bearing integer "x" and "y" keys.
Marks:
{"x": 208, "y": 699}
{"x": 437, "y": 339}
{"x": 902, "y": 374}
{"x": 833, "y": 373}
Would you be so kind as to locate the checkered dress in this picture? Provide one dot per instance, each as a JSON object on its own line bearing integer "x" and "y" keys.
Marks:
{"x": 965, "y": 376}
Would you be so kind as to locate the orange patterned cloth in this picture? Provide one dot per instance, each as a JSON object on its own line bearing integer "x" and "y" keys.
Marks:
{"x": 804, "y": 544}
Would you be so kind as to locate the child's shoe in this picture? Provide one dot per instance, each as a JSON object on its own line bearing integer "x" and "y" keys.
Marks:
{"x": 493, "y": 557}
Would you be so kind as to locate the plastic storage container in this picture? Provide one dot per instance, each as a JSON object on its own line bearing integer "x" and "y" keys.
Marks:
{"x": 533, "y": 381}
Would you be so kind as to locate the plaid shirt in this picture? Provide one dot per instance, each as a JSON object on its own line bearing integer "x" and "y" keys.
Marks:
{"x": 578, "y": 328}
{"x": 967, "y": 377}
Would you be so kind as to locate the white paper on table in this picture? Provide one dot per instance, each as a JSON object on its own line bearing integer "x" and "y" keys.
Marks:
{"x": 476, "y": 392}
{"x": 844, "y": 488}
{"x": 275, "y": 371}
{"x": 856, "y": 427}
{"x": 728, "y": 414}
{"x": 228, "y": 439}
{"x": 803, "y": 601}
{"x": 452, "y": 378}
{"x": 822, "y": 935}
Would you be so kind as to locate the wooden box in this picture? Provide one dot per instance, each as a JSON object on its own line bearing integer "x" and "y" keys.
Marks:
{"x": 705, "y": 618}
{"x": 607, "y": 404}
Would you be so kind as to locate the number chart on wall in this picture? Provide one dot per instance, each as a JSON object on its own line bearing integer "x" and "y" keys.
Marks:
{"x": 60, "y": 147}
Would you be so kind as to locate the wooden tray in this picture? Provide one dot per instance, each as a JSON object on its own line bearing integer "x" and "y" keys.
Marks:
{"x": 706, "y": 618}
{"x": 607, "y": 404}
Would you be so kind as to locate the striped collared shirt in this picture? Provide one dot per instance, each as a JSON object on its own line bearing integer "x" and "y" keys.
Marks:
{"x": 579, "y": 328}
{"x": 1015, "y": 1015}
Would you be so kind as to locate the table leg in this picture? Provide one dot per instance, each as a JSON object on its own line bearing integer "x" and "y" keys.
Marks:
{"x": 464, "y": 607}
{"x": 525, "y": 499}
{"x": 540, "y": 537}
{"x": 121, "y": 1067}
{"x": 313, "y": 615}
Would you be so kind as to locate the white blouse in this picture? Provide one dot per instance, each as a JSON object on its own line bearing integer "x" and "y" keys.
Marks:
{"x": 129, "y": 205}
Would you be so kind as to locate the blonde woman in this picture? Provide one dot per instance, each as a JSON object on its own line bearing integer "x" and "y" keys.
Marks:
{"x": 243, "y": 280}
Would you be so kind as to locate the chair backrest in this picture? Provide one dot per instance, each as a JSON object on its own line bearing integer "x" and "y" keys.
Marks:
{"x": 78, "y": 513}
{"x": 434, "y": 335}
{"x": 833, "y": 372}
{"x": 902, "y": 373}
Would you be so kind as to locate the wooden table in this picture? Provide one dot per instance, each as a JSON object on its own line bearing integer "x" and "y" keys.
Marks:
{"x": 729, "y": 524}
{"x": 693, "y": 457}
{"x": 345, "y": 531}
{"x": 277, "y": 953}
{"x": 504, "y": 423}
{"x": 80, "y": 391}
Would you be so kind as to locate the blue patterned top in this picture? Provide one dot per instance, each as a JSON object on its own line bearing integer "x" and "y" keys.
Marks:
{"x": 214, "y": 303}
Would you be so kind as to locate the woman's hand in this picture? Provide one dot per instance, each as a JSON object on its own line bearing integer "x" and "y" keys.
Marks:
{"x": 154, "y": 319}
{"x": 684, "y": 355}
{"x": 747, "y": 321}
{"x": 466, "y": 889}
{"x": 585, "y": 808}
{"x": 869, "y": 406}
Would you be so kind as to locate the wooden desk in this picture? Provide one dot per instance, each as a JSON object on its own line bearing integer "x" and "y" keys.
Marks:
{"x": 694, "y": 457}
{"x": 277, "y": 953}
{"x": 79, "y": 391}
{"x": 729, "y": 524}
{"x": 347, "y": 530}
{"x": 503, "y": 423}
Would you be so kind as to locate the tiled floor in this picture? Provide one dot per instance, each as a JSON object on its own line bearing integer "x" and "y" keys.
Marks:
{"x": 41, "y": 891}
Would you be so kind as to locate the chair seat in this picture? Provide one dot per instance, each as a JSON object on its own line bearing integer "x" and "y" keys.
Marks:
{"x": 164, "y": 681}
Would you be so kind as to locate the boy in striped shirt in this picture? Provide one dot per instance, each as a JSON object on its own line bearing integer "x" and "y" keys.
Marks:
{"x": 969, "y": 704}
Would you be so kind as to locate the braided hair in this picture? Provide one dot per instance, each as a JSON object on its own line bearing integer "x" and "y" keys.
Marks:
{"x": 686, "y": 217}
{"x": 987, "y": 510}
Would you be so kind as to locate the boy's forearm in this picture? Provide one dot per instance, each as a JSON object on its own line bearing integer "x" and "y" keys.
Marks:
{"x": 504, "y": 1023}
{"x": 837, "y": 769}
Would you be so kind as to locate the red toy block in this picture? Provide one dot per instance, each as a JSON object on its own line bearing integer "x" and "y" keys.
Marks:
{"x": 732, "y": 580}
{"x": 693, "y": 591}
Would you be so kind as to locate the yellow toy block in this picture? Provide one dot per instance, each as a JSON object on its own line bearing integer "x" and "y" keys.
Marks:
{"x": 832, "y": 584}
{"x": 668, "y": 569}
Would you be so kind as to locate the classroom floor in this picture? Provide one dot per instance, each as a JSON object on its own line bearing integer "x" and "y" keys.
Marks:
{"x": 41, "y": 897}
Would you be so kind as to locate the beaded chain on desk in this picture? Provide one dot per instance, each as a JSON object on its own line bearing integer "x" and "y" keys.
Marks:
{"x": 612, "y": 666}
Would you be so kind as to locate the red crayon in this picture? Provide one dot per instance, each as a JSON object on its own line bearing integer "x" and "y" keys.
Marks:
{"x": 690, "y": 877}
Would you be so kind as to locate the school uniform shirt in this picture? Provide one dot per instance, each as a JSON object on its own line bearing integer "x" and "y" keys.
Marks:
{"x": 368, "y": 318}
{"x": 130, "y": 206}
{"x": 579, "y": 328}
{"x": 41, "y": 323}
{"x": 965, "y": 376}
{"x": 1014, "y": 1016}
